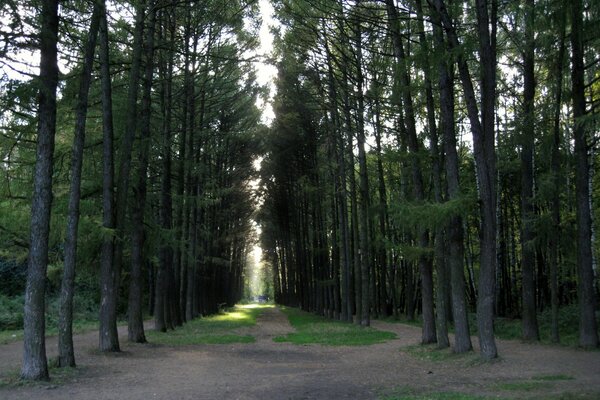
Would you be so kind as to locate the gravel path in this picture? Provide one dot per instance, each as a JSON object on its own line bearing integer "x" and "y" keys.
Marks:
{"x": 268, "y": 370}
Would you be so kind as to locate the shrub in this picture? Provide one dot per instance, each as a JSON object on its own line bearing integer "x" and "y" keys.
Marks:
{"x": 11, "y": 312}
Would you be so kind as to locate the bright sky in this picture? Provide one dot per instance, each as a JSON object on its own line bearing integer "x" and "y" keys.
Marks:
{"x": 266, "y": 73}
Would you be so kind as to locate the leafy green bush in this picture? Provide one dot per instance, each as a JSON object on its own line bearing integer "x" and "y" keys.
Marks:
{"x": 12, "y": 277}
{"x": 11, "y": 312}
{"x": 85, "y": 308}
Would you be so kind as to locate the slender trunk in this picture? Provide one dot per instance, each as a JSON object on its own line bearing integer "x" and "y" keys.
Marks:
{"x": 425, "y": 265}
{"x": 341, "y": 196}
{"x": 35, "y": 364}
{"x": 66, "y": 353}
{"x": 134, "y": 310}
{"x": 555, "y": 237}
{"x": 188, "y": 257}
{"x": 356, "y": 266}
{"x": 485, "y": 159}
{"x": 440, "y": 250}
{"x": 166, "y": 211}
{"x": 383, "y": 215}
{"x": 530, "y": 329}
{"x": 365, "y": 246}
{"x": 110, "y": 276}
{"x": 108, "y": 173}
{"x": 588, "y": 330}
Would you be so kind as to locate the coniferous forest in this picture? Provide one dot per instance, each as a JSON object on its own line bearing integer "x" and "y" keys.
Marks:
{"x": 426, "y": 160}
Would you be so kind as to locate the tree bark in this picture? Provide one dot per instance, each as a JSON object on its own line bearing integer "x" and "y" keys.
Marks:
{"x": 588, "y": 330}
{"x": 462, "y": 337}
{"x": 108, "y": 173}
{"x": 485, "y": 159}
{"x": 556, "y": 172}
{"x": 35, "y": 364}
{"x": 365, "y": 245}
{"x": 66, "y": 353}
{"x": 135, "y": 321}
{"x": 440, "y": 247}
{"x": 530, "y": 329}
{"x": 425, "y": 266}
{"x": 110, "y": 274}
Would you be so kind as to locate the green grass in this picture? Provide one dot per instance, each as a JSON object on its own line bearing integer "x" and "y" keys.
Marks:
{"x": 535, "y": 383}
{"x": 559, "y": 377}
{"x": 408, "y": 393}
{"x": 216, "y": 329}
{"x": 79, "y": 326}
{"x": 510, "y": 329}
{"x": 58, "y": 376}
{"x": 430, "y": 352}
{"x": 522, "y": 386}
{"x": 568, "y": 326}
{"x": 313, "y": 329}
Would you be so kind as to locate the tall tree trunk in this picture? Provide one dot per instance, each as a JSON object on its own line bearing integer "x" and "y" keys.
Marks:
{"x": 110, "y": 274}
{"x": 530, "y": 326}
{"x": 356, "y": 266}
{"x": 462, "y": 337}
{"x": 588, "y": 330}
{"x": 66, "y": 353}
{"x": 341, "y": 195}
{"x": 365, "y": 245}
{"x": 190, "y": 211}
{"x": 166, "y": 212}
{"x": 35, "y": 364}
{"x": 440, "y": 251}
{"x": 556, "y": 172}
{"x": 135, "y": 321}
{"x": 425, "y": 265}
{"x": 485, "y": 159}
{"x": 108, "y": 173}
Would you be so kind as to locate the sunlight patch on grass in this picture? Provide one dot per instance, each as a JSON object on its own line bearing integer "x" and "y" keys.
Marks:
{"x": 216, "y": 329}
{"x": 313, "y": 329}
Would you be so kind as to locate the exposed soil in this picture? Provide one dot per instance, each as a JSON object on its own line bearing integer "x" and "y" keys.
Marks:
{"x": 268, "y": 370}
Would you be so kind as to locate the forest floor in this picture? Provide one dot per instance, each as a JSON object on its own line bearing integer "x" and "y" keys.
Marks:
{"x": 264, "y": 369}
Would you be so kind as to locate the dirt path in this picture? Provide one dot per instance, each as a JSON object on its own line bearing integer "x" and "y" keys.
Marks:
{"x": 268, "y": 370}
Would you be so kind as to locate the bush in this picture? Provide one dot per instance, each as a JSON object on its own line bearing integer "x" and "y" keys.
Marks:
{"x": 12, "y": 277}
{"x": 11, "y": 313}
{"x": 85, "y": 308}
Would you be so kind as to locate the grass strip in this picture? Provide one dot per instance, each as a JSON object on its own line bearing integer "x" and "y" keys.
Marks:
{"x": 314, "y": 329}
{"x": 216, "y": 329}
{"x": 408, "y": 393}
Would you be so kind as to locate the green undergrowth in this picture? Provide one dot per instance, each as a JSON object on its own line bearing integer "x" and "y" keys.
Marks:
{"x": 85, "y": 316}
{"x": 430, "y": 352}
{"x": 568, "y": 326}
{"x": 215, "y": 329}
{"x": 535, "y": 388}
{"x": 313, "y": 329}
{"x": 535, "y": 383}
{"x": 58, "y": 376}
{"x": 408, "y": 393}
{"x": 79, "y": 327}
{"x": 510, "y": 328}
